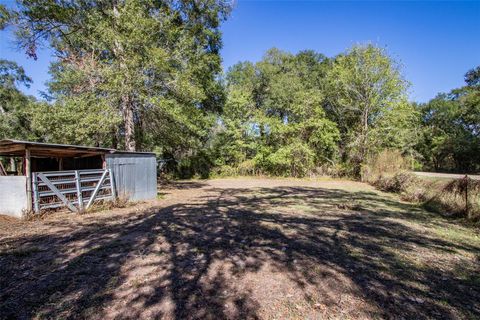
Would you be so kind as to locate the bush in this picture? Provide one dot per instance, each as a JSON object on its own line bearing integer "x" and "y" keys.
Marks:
{"x": 457, "y": 198}
{"x": 225, "y": 171}
{"x": 195, "y": 166}
{"x": 399, "y": 183}
{"x": 247, "y": 168}
{"x": 460, "y": 197}
{"x": 388, "y": 163}
{"x": 295, "y": 160}
{"x": 343, "y": 169}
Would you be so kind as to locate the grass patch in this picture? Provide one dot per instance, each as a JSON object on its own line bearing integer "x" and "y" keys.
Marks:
{"x": 21, "y": 252}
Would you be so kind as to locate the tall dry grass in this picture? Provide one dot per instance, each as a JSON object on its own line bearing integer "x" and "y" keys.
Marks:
{"x": 457, "y": 198}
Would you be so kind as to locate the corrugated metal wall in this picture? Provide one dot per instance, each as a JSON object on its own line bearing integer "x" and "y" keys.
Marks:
{"x": 135, "y": 175}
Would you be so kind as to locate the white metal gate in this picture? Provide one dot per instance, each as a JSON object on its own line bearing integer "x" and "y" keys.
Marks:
{"x": 76, "y": 190}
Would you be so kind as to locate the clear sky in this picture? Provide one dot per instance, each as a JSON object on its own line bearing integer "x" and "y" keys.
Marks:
{"x": 435, "y": 41}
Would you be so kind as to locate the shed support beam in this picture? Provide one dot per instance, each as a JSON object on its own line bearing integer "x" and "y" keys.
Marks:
{"x": 13, "y": 165}
{"x": 28, "y": 173}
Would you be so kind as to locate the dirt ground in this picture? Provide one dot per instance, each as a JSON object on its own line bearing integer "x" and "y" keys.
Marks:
{"x": 243, "y": 249}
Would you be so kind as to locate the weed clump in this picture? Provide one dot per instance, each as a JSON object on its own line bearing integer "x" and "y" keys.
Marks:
{"x": 456, "y": 198}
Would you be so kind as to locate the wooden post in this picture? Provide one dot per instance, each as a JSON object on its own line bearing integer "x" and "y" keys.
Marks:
{"x": 3, "y": 172}
{"x": 28, "y": 173}
{"x": 467, "y": 209}
{"x": 60, "y": 164}
{"x": 13, "y": 165}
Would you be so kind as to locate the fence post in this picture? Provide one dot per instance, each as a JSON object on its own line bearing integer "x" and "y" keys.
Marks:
{"x": 112, "y": 185}
{"x": 78, "y": 184}
{"x": 466, "y": 196}
{"x": 36, "y": 199}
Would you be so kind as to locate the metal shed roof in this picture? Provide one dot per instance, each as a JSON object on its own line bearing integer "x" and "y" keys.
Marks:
{"x": 10, "y": 147}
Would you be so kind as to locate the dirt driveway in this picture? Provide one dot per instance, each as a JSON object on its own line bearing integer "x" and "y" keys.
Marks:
{"x": 243, "y": 248}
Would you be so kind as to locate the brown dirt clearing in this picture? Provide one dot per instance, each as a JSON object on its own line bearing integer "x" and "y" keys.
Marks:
{"x": 243, "y": 248}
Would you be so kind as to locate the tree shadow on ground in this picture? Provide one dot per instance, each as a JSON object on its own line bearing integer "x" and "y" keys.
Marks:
{"x": 183, "y": 185}
{"x": 190, "y": 260}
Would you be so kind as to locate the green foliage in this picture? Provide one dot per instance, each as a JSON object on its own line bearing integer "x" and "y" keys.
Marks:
{"x": 155, "y": 62}
{"x": 146, "y": 75}
{"x": 6, "y": 16}
{"x": 76, "y": 120}
{"x": 294, "y": 160}
{"x": 273, "y": 118}
{"x": 195, "y": 166}
{"x": 293, "y": 113}
{"x": 366, "y": 98}
{"x": 450, "y": 139}
{"x": 14, "y": 105}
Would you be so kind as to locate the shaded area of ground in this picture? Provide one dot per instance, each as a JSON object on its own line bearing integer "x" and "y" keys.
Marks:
{"x": 244, "y": 249}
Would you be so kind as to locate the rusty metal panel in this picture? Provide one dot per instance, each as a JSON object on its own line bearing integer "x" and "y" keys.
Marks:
{"x": 135, "y": 175}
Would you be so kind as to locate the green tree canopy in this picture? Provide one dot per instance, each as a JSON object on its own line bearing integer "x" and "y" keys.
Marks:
{"x": 366, "y": 93}
{"x": 15, "y": 107}
{"x": 274, "y": 115}
{"x": 451, "y": 128}
{"x": 154, "y": 63}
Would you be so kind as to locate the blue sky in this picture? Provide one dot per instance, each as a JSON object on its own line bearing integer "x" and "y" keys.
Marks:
{"x": 435, "y": 41}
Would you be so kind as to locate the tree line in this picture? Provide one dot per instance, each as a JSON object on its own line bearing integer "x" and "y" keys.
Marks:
{"x": 147, "y": 75}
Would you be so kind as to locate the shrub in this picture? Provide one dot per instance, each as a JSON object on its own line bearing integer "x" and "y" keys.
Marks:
{"x": 247, "y": 168}
{"x": 198, "y": 165}
{"x": 343, "y": 169}
{"x": 387, "y": 163}
{"x": 295, "y": 160}
{"x": 400, "y": 182}
{"x": 324, "y": 170}
{"x": 457, "y": 198}
{"x": 460, "y": 197}
{"x": 225, "y": 171}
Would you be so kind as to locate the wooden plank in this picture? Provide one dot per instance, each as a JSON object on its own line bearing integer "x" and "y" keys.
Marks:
{"x": 61, "y": 153}
{"x": 57, "y": 192}
{"x": 18, "y": 150}
{"x": 28, "y": 173}
{"x": 3, "y": 172}
{"x": 99, "y": 186}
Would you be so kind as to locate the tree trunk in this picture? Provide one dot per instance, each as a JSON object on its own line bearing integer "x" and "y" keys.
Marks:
{"x": 365, "y": 133}
{"x": 129, "y": 123}
{"x": 126, "y": 101}
{"x": 115, "y": 137}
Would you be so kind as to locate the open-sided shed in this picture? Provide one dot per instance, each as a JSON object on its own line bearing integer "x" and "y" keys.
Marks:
{"x": 38, "y": 176}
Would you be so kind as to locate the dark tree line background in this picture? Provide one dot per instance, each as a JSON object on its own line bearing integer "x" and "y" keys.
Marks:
{"x": 146, "y": 75}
